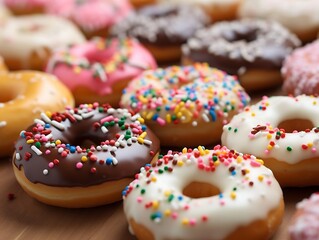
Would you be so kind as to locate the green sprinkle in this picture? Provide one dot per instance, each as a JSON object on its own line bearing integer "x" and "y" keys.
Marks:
{"x": 38, "y": 144}
{"x": 143, "y": 191}
{"x": 170, "y": 197}
{"x": 289, "y": 149}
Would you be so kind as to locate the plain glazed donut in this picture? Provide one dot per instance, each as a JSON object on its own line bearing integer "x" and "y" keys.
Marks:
{"x": 252, "y": 49}
{"x": 22, "y": 7}
{"x": 82, "y": 157}
{"x": 301, "y": 71}
{"x": 26, "y": 42}
{"x": 283, "y": 132}
{"x": 217, "y": 9}
{"x": 162, "y": 28}
{"x": 300, "y": 17}
{"x": 204, "y": 194}
{"x": 23, "y": 96}
{"x": 185, "y": 106}
{"x": 94, "y": 17}
{"x": 304, "y": 224}
{"x": 100, "y": 69}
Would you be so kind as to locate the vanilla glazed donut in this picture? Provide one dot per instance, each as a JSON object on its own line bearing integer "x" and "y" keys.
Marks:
{"x": 162, "y": 28}
{"x": 300, "y": 71}
{"x": 23, "y": 96}
{"x": 304, "y": 224}
{"x": 204, "y": 194}
{"x": 26, "y": 42}
{"x": 185, "y": 106}
{"x": 300, "y": 17}
{"x": 82, "y": 157}
{"x": 217, "y": 9}
{"x": 283, "y": 131}
{"x": 254, "y": 50}
{"x": 99, "y": 70}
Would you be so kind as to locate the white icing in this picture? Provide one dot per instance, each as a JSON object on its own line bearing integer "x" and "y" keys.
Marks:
{"x": 20, "y": 36}
{"x": 238, "y": 133}
{"x": 296, "y": 15}
{"x": 224, "y": 214}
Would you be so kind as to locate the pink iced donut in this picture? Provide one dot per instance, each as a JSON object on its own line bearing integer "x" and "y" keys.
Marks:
{"x": 100, "y": 69}
{"x": 301, "y": 71}
{"x": 305, "y": 222}
{"x": 94, "y": 17}
{"x": 21, "y": 7}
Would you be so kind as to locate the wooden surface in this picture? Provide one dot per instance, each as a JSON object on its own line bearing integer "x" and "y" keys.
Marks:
{"x": 25, "y": 218}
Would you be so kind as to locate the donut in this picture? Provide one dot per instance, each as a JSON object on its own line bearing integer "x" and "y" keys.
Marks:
{"x": 162, "y": 28}
{"x": 217, "y": 9}
{"x": 283, "y": 132}
{"x": 300, "y": 71}
{"x": 300, "y": 17}
{"x": 82, "y": 157}
{"x": 252, "y": 49}
{"x": 100, "y": 69}
{"x": 93, "y": 17}
{"x": 204, "y": 194}
{"x": 305, "y": 221}
{"x": 185, "y": 106}
{"x": 23, "y": 96}
{"x": 22, "y": 7}
{"x": 26, "y": 42}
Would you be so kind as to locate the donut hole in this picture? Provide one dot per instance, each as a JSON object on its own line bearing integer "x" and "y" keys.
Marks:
{"x": 84, "y": 142}
{"x": 247, "y": 35}
{"x": 291, "y": 125}
{"x": 200, "y": 190}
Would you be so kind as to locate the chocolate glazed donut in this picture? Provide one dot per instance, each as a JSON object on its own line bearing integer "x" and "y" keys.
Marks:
{"x": 163, "y": 28}
{"x": 252, "y": 49}
{"x": 87, "y": 146}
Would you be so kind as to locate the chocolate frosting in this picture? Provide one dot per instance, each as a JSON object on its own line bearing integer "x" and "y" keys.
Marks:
{"x": 241, "y": 45}
{"x": 69, "y": 164}
{"x": 162, "y": 24}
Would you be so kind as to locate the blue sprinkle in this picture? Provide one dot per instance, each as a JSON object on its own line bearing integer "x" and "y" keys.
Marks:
{"x": 144, "y": 127}
{"x": 233, "y": 173}
{"x": 72, "y": 149}
{"x": 213, "y": 115}
{"x": 221, "y": 195}
{"x": 22, "y": 134}
{"x": 155, "y": 117}
{"x": 47, "y": 125}
{"x": 180, "y": 198}
{"x": 109, "y": 161}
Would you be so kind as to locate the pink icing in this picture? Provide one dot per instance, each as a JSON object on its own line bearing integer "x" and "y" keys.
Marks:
{"x": 139, "y": 59}
{"x": 25, "y": 3}
{"x": 94, "y": 14}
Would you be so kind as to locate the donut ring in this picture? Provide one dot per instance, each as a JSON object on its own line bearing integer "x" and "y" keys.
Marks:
{"x": 185, "y": 106}
{"x": 282, "y": 131}
{"x": 162, "y": 28}
{"x": 304, "y": 223}
{"x": 23, "y": 96}
{"x": 204, "y": 194}
{"x": 251, "y": 49}
{"x": 83, "y": 157}
{"x": 301, "y": 72}
{"x": 26, "y": 42}
{"x": 100, "y": 69}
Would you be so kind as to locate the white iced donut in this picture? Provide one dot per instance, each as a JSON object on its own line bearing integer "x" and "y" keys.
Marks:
{"x": 26, "y": 42}
{"x": 299, "y": 16}
{"x": 284, "y": 132}
{"x": 204, "y": 194}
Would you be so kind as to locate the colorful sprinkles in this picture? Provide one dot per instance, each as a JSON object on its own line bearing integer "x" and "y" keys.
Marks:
{"x": 185, "y": 94}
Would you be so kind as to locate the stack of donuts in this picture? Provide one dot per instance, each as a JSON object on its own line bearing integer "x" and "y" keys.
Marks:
{"x": 188, "y": 111}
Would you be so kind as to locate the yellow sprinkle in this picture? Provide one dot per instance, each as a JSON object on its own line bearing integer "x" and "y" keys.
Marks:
{"x": 179, "y": 106}
{"x": 167, "y": 213}
{"x": 216, "y": 163}
{"x": 179, "y": 114}
{"x": 84, "y": 159}
{"x": 269, "y": 147}
{"x": 260, "y": 178}
{"x": 155, "y": 204}
{"x": 253, "y": 114}
{"x": 185, "y": 221}
{"x": 314, "y": 102}
{"x": 168, "y": 118}
{"x": 180, "y": 163}
{"x": 153, "y": 179}
{"x": 201, "y": 151}
{"x": 58, "y": 142}
{"x": 239, "y": 159}
{"x": 247, "y": 171}
{"x": 310, "y": 144}
{"x": 48, "y": 113}
{"x": 77, "y": 69}
{"x": 140, "y": 140}
{"x": 167, "y": 193}
{"x": 184, "y": 150}
{"x": 142, "y": 99}
{"x": 149, "y": 115}
{"x": 269, "y": 136}
{"x": 30, "y": 141}
{"x": 233, "y": 195}
{"x": 143, "y": 135}
{"x": 260, "y": 161}
{"x": 141, "y": 120}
